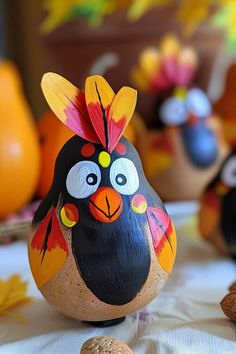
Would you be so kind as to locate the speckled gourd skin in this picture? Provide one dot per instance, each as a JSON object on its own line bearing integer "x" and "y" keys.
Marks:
{"x": 68, "y": 292}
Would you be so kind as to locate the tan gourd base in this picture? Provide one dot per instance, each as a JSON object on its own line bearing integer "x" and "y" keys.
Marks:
{"x": 67, "y": 292}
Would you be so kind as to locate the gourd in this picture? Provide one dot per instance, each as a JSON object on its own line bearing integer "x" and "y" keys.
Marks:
{"x": 19, "y": 147}
{"x": 101, "y": 244}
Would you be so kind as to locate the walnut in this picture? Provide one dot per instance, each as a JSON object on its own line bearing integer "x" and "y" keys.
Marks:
{"x": 228, "y": 305}
{"x": 105, "y": 345}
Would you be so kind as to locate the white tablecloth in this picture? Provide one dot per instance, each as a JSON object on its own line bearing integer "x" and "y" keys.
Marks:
{"x": 184, "y": 318}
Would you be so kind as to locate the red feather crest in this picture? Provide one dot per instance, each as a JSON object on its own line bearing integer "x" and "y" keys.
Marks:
{"x": 98, "y": 115}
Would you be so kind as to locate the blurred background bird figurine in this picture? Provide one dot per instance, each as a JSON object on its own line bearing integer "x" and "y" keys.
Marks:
{"x": 184, "y": 147}
{"x": 189, "y": 110}
{"x": 102, "y": 244}
{"x": 217, "y": 215}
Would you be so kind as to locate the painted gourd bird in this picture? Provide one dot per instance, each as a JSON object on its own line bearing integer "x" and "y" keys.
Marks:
{"x": 189, "y": 110}
{"x": 217, "y": 206}
{"x": 183, "y": 150}
{"x": 217, "y": 213}
{"x": 188, "y": 152}
{"x": 102, "y": 244}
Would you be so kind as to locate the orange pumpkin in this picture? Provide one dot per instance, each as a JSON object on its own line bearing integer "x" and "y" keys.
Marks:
{"x": 53, "y": 135}
{"x": 19, "y": 147}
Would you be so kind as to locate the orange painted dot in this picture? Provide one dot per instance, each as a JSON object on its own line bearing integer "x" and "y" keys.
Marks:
{"x": 87, "y": 150}
{"x": 120, "y": 149}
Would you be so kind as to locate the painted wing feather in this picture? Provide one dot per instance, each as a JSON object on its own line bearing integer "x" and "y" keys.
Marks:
{"x": 163, "y": 237}
{"x": 99, "y": 96}
{"x": 48, "y": 250}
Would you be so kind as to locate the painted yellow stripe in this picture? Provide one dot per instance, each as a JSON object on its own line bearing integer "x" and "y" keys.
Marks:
{"x": 44, "y": 270}
{"x": 168, "y": 254}
{"x": 59, "y": 93}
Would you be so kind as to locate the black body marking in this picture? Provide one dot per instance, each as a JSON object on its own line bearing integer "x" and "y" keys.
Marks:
{"x": 113, "y": 259}
{"x": 228, "y": 209}
{"x": 103, "y": 115}
{"x": 45, "y": 242}
{"x": 228, "y": 220}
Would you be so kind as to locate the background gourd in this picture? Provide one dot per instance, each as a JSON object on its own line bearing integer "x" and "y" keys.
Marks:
{"x": 19, "y": 147}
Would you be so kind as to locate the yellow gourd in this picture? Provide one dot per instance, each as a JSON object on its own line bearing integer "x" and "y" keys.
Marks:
{"x": 19, "y": 147}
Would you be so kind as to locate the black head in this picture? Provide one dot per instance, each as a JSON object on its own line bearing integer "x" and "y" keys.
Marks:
{"x": 88, "y": 176}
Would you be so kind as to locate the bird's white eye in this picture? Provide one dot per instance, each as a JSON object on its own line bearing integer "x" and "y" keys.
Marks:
{"x": 198, "y": 103}
{"x": 228, "y": 174}
{"x": 83, "y": 179}
{"x": 173, "y": 111}
{"x": 124, "y": 176}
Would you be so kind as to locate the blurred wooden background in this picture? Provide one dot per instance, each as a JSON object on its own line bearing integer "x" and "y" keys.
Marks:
{"x": 25, "y": 48}
{"x": 73, "y": 48}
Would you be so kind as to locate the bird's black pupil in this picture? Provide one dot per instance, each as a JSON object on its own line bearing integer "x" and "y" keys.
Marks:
{"x": 91, "y": 179}
{"x": 121, "y": 179}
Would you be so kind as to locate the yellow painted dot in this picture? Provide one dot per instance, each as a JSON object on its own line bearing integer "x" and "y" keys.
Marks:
{"x": 139, "y": 204}
{"x": 104, "y": 159}
{"x": 180, "y": 93}
{"x": 65, "y": 220}
{"x": 140, "y": 209}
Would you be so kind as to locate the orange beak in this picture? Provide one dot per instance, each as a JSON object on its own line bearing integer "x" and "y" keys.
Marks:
{"x": 192, "y": 119}
{"x": 106, "y": 204}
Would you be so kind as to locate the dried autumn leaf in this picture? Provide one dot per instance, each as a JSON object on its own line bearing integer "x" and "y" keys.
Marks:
{"x": 138, "y": 8}
{"x": 225, "y": 18}
{"x": 13, "y": 291}
{"x": 193, "y": 12}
